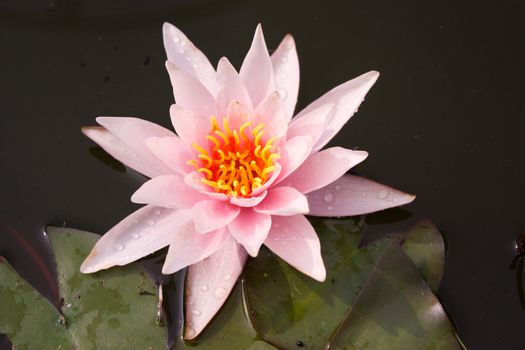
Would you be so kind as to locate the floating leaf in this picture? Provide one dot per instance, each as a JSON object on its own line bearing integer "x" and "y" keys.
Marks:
{"x": 362, "y": 304}
{"x": 231, "y": 329}
{"x": 112, "y": 309}
{"x": 424, "y": 245}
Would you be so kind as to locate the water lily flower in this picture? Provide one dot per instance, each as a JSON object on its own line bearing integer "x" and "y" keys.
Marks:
{"x": 238, "y": 173}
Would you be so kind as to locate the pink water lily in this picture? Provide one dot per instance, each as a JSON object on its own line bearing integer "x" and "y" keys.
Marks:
{"x": 238, "y": 173}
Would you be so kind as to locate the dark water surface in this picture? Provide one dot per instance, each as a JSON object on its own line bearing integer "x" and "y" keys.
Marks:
{"x": 445, "y": 120}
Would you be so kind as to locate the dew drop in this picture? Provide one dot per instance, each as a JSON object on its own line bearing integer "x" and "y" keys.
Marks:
{"x": 196, "y": 312}
{"x": 176, "y": 39}
{"x": 338, "y": 188}
{"x": 151, "y": 223}
{"x": 203, "y": 288}
{"x": 284, "y": 76}
{"x": 284, "y": 59}
{"x": 219, "y": 293}
{"x": 382, "y": 194}
{"x": 195, "y": 65}
{"x": 283, "y": 93}
{"x": 328, "y": 197}
{"x": 157, "y": 211}
{"x": 342, "y": 101}
{"x": 121, "y": 149}
{"x": 135, "y": 235}
{"x": 119, "y": 246}
{"x": 227, "y": 277}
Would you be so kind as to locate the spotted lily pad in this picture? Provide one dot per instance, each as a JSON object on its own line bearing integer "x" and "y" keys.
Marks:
{"x": 112, "y": 309}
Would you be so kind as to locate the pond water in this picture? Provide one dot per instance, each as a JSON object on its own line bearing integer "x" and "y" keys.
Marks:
{"x": 444, "y": 121}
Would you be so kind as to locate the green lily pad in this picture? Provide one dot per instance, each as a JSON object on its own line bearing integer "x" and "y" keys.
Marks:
{"x": 230, "y": 329}
{"x": 362, "y": 305}
{"x": 425, "y": 246}
{"x": 111, "y": 309}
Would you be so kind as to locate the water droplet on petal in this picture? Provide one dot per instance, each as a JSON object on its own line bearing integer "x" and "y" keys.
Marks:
{"x": 176, "y": 39}
{"x": 284, "y": 76}
{"x": 196, "y": 312}
{"x": 119, "y": 246}
{"x": 151, "y": 223}
{"x": 203, "y": 288}
{"x": 338, "y": 188}
{"x": 328, "y": 197}
{"x": 283, "y": 93}
{"x": 157, "y": 211}
{"x": 284, "y": 59}
{"x": 227, "y": 277}
{"x": 135, "y": 235}
{"x": 219, "y": 293}
{"x": 382, "y": 194}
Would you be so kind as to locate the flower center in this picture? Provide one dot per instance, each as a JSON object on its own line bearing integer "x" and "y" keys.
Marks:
{"x": 236, "y": 161}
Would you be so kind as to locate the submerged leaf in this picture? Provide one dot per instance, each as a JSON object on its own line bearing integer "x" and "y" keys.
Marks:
{"x": 114, "y": 309}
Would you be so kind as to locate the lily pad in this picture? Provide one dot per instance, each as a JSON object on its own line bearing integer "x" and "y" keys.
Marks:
{"x": 374, "y": 297}
{"x": 231, "y": 328}
{"x": 112, "y": 309}
{"x": 425, "y": 246}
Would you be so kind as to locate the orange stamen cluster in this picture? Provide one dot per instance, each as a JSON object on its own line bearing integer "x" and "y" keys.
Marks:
{"x": 236, "y": 162}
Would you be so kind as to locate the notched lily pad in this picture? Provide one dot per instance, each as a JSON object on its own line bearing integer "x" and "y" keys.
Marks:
{"x": 374, "y": 297}
{"x": 105, "y": 310}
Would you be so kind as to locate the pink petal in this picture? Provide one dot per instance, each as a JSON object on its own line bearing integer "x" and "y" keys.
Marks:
{"x": 323, "y": 168}
{"x": 353, "y": 195}
{"x": 181, "y": 51}
{"x": 141, "y": 233}
{"x": 145, "y": 164}
{"x": 283, "y": 201}
{"x": 286, "y": 72}
{"x": 232, "y": 87}
{"x": 347, "y": 97}
{"x": 172, "y": 152}
{"x": 295, "y": 241}
{"x": 271, "y": 113}
{"x": 188, "y": 247}
{"x": 312, "y": 123}
{"x": 190, "y": 93}
{"x": 209, "y": 215}
{"x": 294, "y": 152}
{"x": 133, "y": 132}
{"x": 189, "y": 127}
{"x": 237, "y": 114}
{"x": 257, "y": 70}
{"x": 250, "y": 229}
{"x": 248, "y": 202}
{"x": 214, "y": 276}
{"x": 169, "y": 191}
{"x": 193, "y": 180}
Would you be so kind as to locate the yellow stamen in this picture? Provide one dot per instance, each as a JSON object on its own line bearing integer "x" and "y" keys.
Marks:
{"x": 237, "y": 162}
